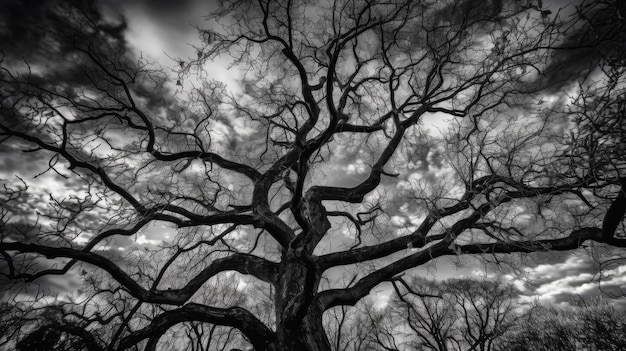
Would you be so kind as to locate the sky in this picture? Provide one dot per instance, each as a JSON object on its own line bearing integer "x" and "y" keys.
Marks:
{"x": 163, "y": 32}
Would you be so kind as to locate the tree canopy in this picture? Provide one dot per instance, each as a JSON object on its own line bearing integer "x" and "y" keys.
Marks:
{"x": 368, "y": 138}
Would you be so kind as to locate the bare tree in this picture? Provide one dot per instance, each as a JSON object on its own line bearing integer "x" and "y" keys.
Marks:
{"x": 584, "y": 325}
{"x": 488, "y": 310}
{"x": 243, "y": 180}
{"x": 543, "y": 328}
{"x": 457, "y": 314}
{"x": 350, "y": 328}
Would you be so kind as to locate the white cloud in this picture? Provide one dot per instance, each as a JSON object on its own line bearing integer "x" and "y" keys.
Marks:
{"x": 398, "y": 221}
{"x": 358, "y": 167}
{"x": 577, "y": 276}
{"x": 142, "y": 240}
{"x": 241, "y": 285}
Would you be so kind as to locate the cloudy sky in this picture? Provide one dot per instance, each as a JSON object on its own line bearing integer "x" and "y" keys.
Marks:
{"x": 163, "y": 32}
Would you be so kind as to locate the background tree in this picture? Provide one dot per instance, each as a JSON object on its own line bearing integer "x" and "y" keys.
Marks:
{"x": 249, "y": 183}
{"x": 457, "y": 314}
{"x": 488, "y": 310}
{"x": 419, "y": 317}
{"x": 351, "y": 328}
{"x": 594, "y": 325}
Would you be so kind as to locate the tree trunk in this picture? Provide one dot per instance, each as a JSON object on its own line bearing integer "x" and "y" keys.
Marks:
{"x": 298, "y": 316}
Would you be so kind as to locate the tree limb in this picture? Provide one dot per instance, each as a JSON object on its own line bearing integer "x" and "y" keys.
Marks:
{"x": 240, "y": 262}
{"x": 259, "y": 335}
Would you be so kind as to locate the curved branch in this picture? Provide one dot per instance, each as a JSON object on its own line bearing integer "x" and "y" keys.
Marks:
{"x": 239, "y": 262}
{"x": 419, "y": 238}
{"x": 88, "y": 339}
{"x": 210, "y": 157}
{"x": 258, "y": 333}
{"x": 357, "y": 193}
{"x": 270, "y": 220}
{"x": 350, "y": 296}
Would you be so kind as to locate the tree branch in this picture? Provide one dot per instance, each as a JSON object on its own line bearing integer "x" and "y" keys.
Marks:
{"x": 239, "y": 262}
{"x": 350, "y": 296}
{"x": 259, "y": 335}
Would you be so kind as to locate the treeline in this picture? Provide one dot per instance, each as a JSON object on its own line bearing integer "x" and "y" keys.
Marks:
{"x": 466, "y": 314}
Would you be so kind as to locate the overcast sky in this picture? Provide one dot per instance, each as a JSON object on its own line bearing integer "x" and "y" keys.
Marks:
{"x": 162, "y": 30}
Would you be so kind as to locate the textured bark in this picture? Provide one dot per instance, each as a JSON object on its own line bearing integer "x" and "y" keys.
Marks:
{"x": 615, "y": 214}
{"x": 298, "y": 314}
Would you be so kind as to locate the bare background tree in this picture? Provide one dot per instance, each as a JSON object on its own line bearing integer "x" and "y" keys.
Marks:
{"x": 251, "y": 187}
{"x": 594, "y": 325}
{"x": 457, "y": 314}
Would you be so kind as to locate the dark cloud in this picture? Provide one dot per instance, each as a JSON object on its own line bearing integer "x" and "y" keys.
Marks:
{"x": 21, "y": 24}
{"x": 470, "y": 10}
{"x": 17, "y": 160}
{"x": 173, "y": 14}
{"x": 158, "y": 8}
{"x": 44, "y": 30}
{"x": 599, "y": 35}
